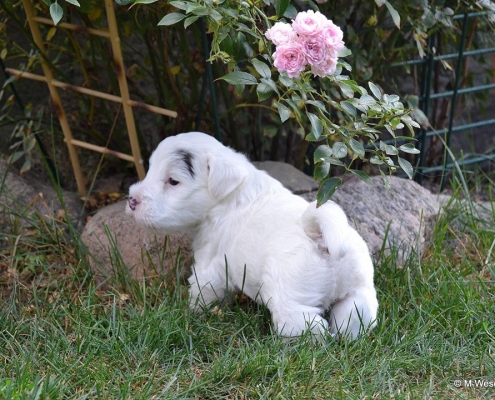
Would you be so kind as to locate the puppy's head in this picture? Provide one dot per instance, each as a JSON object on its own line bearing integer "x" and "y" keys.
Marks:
{"x": 189, "y": 175}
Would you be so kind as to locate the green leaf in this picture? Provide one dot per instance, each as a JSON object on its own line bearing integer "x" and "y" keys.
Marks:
{"x": 56, "y": 12}
{"x": 375, "y": 90}
{"x": 270, "y": 131}
{"x": 395, "y": 15}
{"x": 295, "y": 108}
{"x": 283, "y": 111}
{"x": 390, "y": 130}
{"x": 272, "y": 84}
{"x": 420, "y": 117}
{"x": 386, "y": 180}
{"x": 263, "y": 91}
{"x": 281, "y": 7}
{"x": 366, "y": 100}
{"x": 319, "y": 104}
{"x": 362, "y": 175}
{"x": 25, "y": 167}
{"x": 75, "y": 2}
{"x": 322, "y": 151}
{"x": 261, "y": 68}
{"x": 391, "y": 150}
{"x": 406, "y": 167}
{"x": 357, "y": 147}
{"x": 409, "y": 148}
{"x": 215, "y": 15}
{"x": 376, "y": 160}
{"x": 30, "y": 142}
{"x": 196, "y": 9}
{"x": 346, "y": 90}
{"x": 291, "y": 12}
{"x": 239, "y": 89}
{"x": 190, "y": 20}
{"x": 345, "y": 65}
{"x": 344, "y": 52}
{"x": 339, "y": 150}
{"x": 348, "y": 108}
{"x": 321, "y": 171}
{"x": 285, "y": 80}
{"x": 171, "y": 19}
{"x": 316, "y": 125}
{"x": 15, "y": 156}
{"x": 412, "y": 101}
{"x": 181, "y": 5}
{"x": 326, "y": 190}
{"x": 311, "y": 138}
{"x": 239, "y": 78}
{"x": 335, "y": 161}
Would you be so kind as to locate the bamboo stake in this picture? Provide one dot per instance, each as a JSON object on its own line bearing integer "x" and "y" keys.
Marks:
{"x": 124, "y": 91}
{"x": 101, "y": 149}
{"x": 33, "y": 25}
{"x": 91, "y": 92}
{"x": 72, "y": 27}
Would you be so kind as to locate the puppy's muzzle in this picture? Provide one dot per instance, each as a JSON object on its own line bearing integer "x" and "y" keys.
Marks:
{"x": 133, "y": 203}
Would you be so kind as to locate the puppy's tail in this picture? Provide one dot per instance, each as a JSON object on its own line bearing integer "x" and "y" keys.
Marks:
{"x": 327, "y": 226}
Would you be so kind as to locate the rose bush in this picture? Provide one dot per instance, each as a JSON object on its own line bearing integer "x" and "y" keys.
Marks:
{"x": 350, "y": 123}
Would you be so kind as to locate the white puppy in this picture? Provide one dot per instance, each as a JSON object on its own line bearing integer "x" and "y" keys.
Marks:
{"x": 250, "y": 234}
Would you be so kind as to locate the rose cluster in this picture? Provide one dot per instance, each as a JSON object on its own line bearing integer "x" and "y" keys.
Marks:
{"x": 310, "y": 39}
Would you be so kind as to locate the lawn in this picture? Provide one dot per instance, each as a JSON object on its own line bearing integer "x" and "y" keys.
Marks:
{"x": 63, "y": 337}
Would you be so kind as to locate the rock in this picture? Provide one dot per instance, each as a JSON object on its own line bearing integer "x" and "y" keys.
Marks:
{"x": 27, "y": 194}
{"x": 403, "y": 216}
{"x": 117, "y": 245}
{"x": 293, "y": 179}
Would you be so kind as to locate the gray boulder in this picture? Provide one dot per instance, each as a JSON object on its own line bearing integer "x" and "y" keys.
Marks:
{"x": 291, "y": 177}
{"x": 400, "y": 218}
{"x": 118, "y": 246}
{"x": 29, "y": 195}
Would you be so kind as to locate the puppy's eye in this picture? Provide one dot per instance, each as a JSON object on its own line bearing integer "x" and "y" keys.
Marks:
{"x": 173, "y": 182}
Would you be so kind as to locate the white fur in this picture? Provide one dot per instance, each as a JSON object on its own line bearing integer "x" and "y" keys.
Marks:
{"x": 251, "y": 234}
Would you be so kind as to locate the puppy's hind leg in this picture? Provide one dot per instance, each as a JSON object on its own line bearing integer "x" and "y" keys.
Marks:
{"x": 355, "y": 313}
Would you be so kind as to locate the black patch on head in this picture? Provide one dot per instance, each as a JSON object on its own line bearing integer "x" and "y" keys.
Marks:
{"x": 187, "y": 159}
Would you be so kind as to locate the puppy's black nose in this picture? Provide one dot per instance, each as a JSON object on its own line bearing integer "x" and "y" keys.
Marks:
{"x": 132, "y": 203}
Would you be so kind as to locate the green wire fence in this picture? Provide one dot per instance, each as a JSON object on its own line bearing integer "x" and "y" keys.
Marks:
{"x": 428, "y": 95}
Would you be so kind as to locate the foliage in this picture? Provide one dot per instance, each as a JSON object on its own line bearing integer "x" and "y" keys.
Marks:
{"x": 347, "y": 116}
{"x": 24, "y": 138}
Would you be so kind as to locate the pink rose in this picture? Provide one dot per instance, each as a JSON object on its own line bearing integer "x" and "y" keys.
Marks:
{"x": 311, "y": 39}
{"x": 309, "y": 23}
{"x": 332, "y": 35}
{"x": 315, "y": 50}
{"x": 328, "y": 67}
{"x": 281, "y": 33}
{"x": 290, "y": 57}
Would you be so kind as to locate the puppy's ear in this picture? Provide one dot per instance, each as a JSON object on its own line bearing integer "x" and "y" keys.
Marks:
{"x": 224, "y": 175}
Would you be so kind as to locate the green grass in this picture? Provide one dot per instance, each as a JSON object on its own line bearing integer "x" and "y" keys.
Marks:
{"x": 62, "y": 337}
